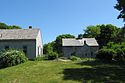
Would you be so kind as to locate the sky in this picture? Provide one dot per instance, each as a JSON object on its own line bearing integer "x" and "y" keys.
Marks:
{"x": 56, "y": 17}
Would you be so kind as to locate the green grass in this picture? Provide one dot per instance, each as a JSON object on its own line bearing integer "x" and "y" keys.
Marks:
{"x": 63, "y": 72}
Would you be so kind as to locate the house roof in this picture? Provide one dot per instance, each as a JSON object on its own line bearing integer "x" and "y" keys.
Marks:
{"x": 79, "y": 42}
{"x": 13, "y": 34}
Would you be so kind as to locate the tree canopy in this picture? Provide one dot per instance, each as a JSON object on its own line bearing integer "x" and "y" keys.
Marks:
{"x": 5, "y": 26}
{"x": 14, "y": 27}
{"x": 92, "y": 31}
{"x": 120, "y": 6}
{"x": 102, "y": 33}
{"x": 108, "y": 33}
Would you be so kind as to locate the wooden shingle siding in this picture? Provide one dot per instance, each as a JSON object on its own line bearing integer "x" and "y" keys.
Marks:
{"x": 79, "y": 48}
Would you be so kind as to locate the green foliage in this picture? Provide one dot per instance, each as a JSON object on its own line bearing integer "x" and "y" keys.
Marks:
{"x": 48, "y": 47}
{"x": 50, "y": 50}
{"x": 80, "y": 36}
{"x": 119, "y": 54}
{"x": 120, "y": 6}
{"x": 74, "y": 58}
{"x": 121, "y": 35}
{"x": 114, "y": 46}
{"x": 119, "y": 49}
{"x": 12, "y": 57}
{"x": 52, "y": 55}
{"x": 14, "y": 27}
{"x": 102, "y": 33}
{"x": 45, "y": 48}
{"x": 105, "y": 54}
{"x": 108, "y": 33}
{"x": 4, "y": 26}
{"x": 91, "y": 31}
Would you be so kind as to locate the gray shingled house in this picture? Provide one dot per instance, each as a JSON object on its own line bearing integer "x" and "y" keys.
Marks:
{"x": 29, "y": 40}
{"x": 85, "y": 47}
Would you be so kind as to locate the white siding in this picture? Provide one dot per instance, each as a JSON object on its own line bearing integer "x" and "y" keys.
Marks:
{"x": 18, "y": 44}
{"x": 80, "y": 51}
{"x": 39, "y": 45}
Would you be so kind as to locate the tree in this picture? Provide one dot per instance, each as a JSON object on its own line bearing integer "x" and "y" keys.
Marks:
{"x": 119, "y": 49}
{"x": 5, "y": 26}
{"x": 102, "y": 33}
{"x": 108, "y": 33}
{"x": 105, "y": 54}
{"x": 120, "y": 6}
{"x": 121, "y": 35}
{"x": 92, "y": 31}
{"x": 45, "y": 47}
{"x": 80, "y": 36}
{"x": 48, "y": 47}
{"x": 14, "y": 27}
{"x": 58, "y": 46}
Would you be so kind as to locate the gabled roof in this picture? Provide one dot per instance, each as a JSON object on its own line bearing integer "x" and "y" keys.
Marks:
{"x": 15, "y": 34}
{"x": 79, "y": 42}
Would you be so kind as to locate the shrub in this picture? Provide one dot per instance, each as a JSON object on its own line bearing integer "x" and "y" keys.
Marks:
{"x": 119, "y": 49}
{"x": 105, "y": 54}
{"x": 119, "y": 54}
{"x": 52, "y": 55}
{"x": 12, "y": 57}
{"x": 74, "y": 58}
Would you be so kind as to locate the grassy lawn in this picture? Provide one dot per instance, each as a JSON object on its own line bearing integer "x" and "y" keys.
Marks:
{"x": 63, "y": 72}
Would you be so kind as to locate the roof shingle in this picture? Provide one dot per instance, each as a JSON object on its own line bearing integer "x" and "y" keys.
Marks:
{"x": 11, "y": 34}
{"x": 79, "y": 42}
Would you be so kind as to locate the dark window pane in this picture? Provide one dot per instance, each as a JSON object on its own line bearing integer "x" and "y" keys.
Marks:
{"x": 91, "y": 53}
{"x": 6, "y": 47}
{"x": 25, "y": 49}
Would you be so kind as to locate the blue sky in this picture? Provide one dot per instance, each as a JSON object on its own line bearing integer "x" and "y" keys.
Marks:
{"x": 55, "y": 17}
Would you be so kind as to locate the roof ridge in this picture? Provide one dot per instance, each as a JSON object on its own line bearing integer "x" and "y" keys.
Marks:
{"x": 79, "y": 42}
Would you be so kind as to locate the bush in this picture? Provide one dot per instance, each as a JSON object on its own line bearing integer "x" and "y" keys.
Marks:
{"x": 119, "y": 49}
{"x": 74, "y": 58}
{"x": 52, "y": 55}
{"x": 119, "y": 54}
{"x": 12, "y": 57}
{"x": 105, "y": 54}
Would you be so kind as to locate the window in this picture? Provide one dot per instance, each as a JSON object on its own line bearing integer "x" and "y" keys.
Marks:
{"x": 6, "y": 47}
{"x": 25, "y": 49}
{"x": 38, "y": 51}
{"x": 85, "y": 54}
{"x": 91, "y": 53}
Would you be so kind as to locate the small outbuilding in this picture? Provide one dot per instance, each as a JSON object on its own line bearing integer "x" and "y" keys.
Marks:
{"x": 84, "y": 48}
{"x": 29, "y": 40}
